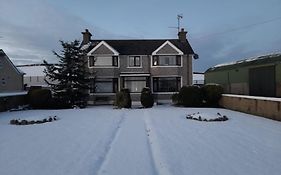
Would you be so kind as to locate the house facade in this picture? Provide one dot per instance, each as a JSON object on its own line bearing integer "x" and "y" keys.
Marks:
{"x": 163, "y": 65}
{"x": 11, "y": 78}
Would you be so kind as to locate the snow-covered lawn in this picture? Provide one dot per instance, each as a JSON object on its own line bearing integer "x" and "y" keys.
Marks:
{"x": 161, "y": 141}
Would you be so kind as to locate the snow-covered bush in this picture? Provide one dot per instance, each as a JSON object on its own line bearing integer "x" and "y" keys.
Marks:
{"x": 190, "y": 96}
{"x": 212, "y": 94}
{"x": 147, "y": 99}
{"x": 31, "y": 122}
{"x": 123, "y": 99}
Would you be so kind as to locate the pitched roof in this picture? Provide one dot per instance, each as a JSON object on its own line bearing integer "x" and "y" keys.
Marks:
{"x": 260, "y": 60}
{"x": 2, "y": 54}
{"x": 142, "y": 47}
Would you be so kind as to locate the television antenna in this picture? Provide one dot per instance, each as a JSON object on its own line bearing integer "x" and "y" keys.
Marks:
{"x": 179, "y": 17}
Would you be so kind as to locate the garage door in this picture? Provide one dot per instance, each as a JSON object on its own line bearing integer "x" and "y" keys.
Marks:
{"x": 262, "y": 81}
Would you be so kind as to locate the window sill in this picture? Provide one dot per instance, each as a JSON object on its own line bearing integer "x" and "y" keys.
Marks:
{"x": 167, "y": 66}
{"x": 101, "y": 67}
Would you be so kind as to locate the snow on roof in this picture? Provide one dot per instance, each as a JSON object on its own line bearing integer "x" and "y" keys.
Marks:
{"x": 248, "y": 60}
{"x": 33, "y": 70}
{"x": 86, "y": 46}
{"x": 6, "y": 94}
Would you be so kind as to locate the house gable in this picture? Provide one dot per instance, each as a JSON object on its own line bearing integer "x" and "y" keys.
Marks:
{"x": 6, "y": 62}
{"x": 103, "y": 48}
{"x": 167, "y": 48}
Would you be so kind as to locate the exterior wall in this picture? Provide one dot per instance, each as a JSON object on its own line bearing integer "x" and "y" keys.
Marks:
{"x": 145, "y": 64}
{"x": 262, "y": 107}
{"x": 35, "y": 81}
{"x": 103, "y": 50}
{"x": 167, "y": 49}
{"x": 10, "y": 79}
{"x": 234, "y": 80}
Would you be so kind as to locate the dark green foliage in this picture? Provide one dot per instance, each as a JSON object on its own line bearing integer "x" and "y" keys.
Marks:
{"x": 212, "y": 94}
{"x": 123, "y": 99}
{"x": 190, "y": 96}
{"x": 175, "y": 98}
{"x": 39, "y": 98}
{"x": 69, "y": 79}
{"x": 147, "y": 99}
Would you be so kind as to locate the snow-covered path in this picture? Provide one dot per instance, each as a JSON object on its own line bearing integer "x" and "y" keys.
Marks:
{"x": 130, "y": 151}
{"x": 160, "y": 141}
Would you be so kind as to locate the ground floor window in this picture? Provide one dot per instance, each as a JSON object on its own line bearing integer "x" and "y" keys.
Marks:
{"x": 166, "y": 84}
{"x": 104, "y": 85}
{"x": 135, "y": 84}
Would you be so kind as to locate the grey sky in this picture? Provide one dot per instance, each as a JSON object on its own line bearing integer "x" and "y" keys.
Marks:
{"x": 219, "y": 31}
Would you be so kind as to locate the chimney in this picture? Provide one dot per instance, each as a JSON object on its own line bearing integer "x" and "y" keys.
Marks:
{"x": 86, "y": 37}
{"x": 182, "y": 35}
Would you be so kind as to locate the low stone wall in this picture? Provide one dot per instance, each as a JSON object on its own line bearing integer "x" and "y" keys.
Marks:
{"x": 9, "y": 102}
{"x": 261, "y": 106}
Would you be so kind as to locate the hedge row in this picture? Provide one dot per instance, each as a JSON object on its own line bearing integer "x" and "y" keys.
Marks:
{"x": 194, "y": 96}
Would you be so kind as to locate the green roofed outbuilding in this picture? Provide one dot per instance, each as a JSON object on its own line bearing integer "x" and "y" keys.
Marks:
{"x": 258, "y": 76}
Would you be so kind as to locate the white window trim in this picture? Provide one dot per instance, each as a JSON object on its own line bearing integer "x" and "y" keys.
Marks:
{"x": 102, "y": 67}
{"x": 106, "y": 45}
{"x": 151, "y": 60}
{"x": 164, "y": 76}
{"x": 170, "y": 44}
{"x": 135, "y": 67}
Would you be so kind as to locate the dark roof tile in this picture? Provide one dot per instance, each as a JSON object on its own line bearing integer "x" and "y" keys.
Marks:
{"x": 143, "y": 47}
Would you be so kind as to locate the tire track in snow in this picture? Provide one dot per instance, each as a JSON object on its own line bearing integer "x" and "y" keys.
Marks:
{"x": 133, "y": 157}
{"x": 159, "y": 165}
{"x": 99, "y": 163}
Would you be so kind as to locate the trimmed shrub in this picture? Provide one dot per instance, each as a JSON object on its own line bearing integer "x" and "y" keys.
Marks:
{"x": 123, "y": 99}
{"x": 146, "y": 98}
{"x": 190, "y": 96}
{"x": 39, "y": 98}
{"x": 212, "y": 94}
{"x": 175, "y": 99}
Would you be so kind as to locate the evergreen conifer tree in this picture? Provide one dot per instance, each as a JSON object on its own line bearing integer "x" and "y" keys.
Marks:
{"x": 69, "y": 80}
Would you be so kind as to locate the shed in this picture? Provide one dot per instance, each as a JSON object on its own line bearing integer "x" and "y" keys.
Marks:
{"x": 257, "y": 76}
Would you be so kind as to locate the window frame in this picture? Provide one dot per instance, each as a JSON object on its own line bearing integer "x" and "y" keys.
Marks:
{"x": 155, "y": 58}
{"x": 146, "y": 79}
{"x": 114, "y": 81}
{"x": 134, "y": 60}
{"x": 156, "y": 91}
{"x": 115, "y": 61}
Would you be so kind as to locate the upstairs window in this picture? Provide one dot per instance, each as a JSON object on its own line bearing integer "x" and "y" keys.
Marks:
{"x": 166, "y": 60}
{"x": 134, "y": 61}
{"x": 103, "y": 61}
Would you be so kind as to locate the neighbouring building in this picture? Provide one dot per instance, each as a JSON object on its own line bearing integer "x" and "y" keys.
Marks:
{"x": 198, "y": 78}
{"x": 259, "y": 76}
{"x": 11, "y": 78}
{"x": 34, "y": 75}
{"x": 164, "y": 65}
